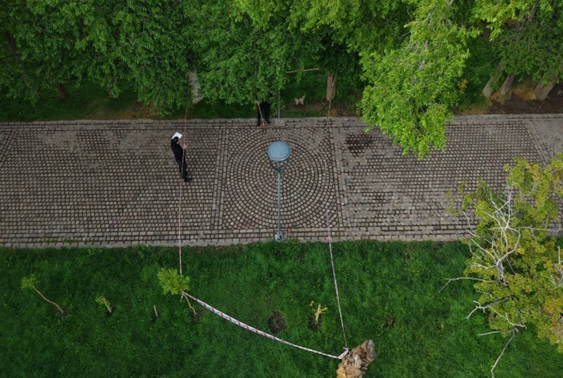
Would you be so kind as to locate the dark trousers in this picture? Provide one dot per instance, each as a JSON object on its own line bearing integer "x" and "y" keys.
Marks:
{"x": 183, "y": 168}
{"x": 264, "y": 111}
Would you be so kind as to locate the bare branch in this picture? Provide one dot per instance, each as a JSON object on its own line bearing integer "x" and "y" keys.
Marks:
{"x": 557, "y": 279}
{"x": 489, "y": 333}
{"x": 487, "y": 306}
{"x": 463, "y": 278}
{"x": 185, "y": 296}
{"x": 505, "y": 317}
{"x": 50, "y": 301}
{"x": 500, "y": 356}
{"x": 495, "y": 244}
{"x": 477, "y": 265}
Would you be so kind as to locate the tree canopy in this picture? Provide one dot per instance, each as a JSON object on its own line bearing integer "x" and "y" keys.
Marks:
{"x": 517, "y": 266}
{"x": 412, "y": 53}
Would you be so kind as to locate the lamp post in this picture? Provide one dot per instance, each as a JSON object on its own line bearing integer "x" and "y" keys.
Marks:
{"x": 278, "y": 153}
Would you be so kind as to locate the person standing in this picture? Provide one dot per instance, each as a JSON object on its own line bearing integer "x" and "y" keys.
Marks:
{"x": 180, "y": 156}
{"x": 262, "y": 113}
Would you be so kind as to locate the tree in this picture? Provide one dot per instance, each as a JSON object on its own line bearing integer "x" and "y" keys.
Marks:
{"x": 174, "y": 283}
{"x": 525, "y": 36}
{"x": 413, "y": 88}
{"x": 412, "y": 55}
{"x": 101, "y": 300}
{"x": 243, "y": 57}
{"x": 39, "y": 54}
{"x": 139, "y": 45}
{"x": 116, "y": 44}
{"x": 31, "y": 283}
{"x": 156, "y": 47}
{"x": 517, "y": 267}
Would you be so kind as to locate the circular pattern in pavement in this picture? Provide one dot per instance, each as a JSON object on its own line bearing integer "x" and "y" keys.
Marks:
{"x": 307, "y": 183}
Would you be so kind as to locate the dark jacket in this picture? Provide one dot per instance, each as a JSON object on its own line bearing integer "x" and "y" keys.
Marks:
{"x": 178, "y": 151}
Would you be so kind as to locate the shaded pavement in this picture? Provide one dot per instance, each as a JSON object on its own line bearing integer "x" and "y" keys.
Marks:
{"x": 116, "y": 182}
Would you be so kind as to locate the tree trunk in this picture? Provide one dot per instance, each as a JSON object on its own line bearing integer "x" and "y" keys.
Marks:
{"x": 493, "y": 81}
{"x": 355, "y": 364}
{"x": 12, "y": 43}
{"x": 61, "y": 91}
{"x": 544, "y": 86}
{"x": 507, "y": 84}
{"x": 14, "y": 48}
{"x": 330, "y": 86}
{"x": 196, "y": 96}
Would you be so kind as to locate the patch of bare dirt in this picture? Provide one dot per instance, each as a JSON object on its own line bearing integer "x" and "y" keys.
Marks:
{"x": 337, "y": 109}
{"x": 277, "y": 323}
{"x": 521, "y": 100}
{"x": 139, "y": 110}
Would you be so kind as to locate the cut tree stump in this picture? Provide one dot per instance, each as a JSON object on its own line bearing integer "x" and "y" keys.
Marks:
{"x": 355, "y": 363}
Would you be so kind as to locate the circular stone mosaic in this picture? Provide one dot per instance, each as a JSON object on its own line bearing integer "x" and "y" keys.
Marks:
{"x": 250, "y": 184}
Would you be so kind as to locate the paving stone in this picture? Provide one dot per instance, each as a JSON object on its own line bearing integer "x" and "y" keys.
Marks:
{"x": 77, "y": 183}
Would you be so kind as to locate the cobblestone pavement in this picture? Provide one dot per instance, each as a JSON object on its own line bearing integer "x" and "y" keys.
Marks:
{"x": 116, "y": 182}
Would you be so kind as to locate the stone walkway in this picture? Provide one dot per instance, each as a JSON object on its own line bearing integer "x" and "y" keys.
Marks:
{"x": 116, "y": 182}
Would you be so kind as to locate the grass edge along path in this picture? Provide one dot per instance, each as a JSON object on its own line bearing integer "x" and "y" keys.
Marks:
{"x": 388, "y": 291}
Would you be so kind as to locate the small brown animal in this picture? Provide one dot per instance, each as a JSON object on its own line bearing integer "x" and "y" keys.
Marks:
{"x": 300, "y": 101}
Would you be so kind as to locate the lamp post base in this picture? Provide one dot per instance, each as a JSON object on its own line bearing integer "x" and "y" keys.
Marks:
{"x": 279, "y": 236}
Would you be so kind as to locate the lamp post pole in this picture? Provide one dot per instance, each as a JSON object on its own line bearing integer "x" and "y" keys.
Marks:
{"x": 278, "y": 153}
{"x": 279, "y": 234}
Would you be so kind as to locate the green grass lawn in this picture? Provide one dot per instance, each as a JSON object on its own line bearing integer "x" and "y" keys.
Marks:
{"x": 389, "y": 293}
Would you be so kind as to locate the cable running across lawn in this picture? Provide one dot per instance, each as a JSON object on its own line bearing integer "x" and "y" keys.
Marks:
{"x": 329, "y": 238}
{"x": 257, "y": 331}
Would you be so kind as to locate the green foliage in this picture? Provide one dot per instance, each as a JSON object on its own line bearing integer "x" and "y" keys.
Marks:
{"x": 39, "y": 53}
{"x": 86, "y": 101}
{"x": 388, "y": 292}
{"x": 29, "y": 282}
{"x": 413, "y": 87}
{"x": 525, "y": 36}
{"x": 531, "y": 46}
{"x": 114, "y": 44}
{"x": 518, "y": 267}
{"x": 477, "y": 72}
{"x": 172, "y": 282}
{"x": 411, "y": 55}
{"x": 240, "y": 58}
{"x": 496, "y": 13}
{"x": 101, "y": 300}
